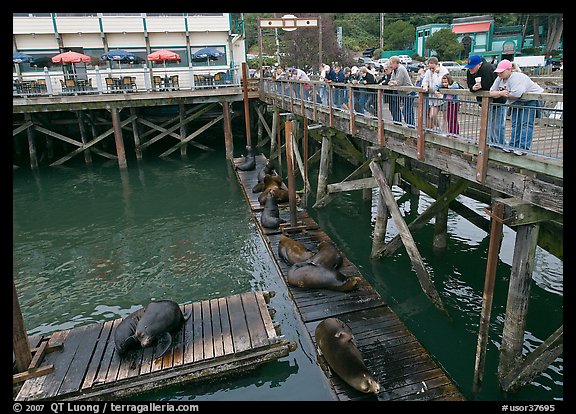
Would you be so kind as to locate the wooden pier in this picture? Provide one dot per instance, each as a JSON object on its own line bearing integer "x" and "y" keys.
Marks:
{"x": 402, "y": 366}
{"x": 222, "y": 336}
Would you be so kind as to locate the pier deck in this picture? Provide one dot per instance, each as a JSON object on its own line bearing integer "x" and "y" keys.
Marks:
{"x": 403, "y": 367}
{"x": 222, "y": 336}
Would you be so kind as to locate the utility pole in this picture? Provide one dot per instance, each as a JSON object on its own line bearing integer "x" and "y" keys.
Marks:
{"x": 277, "y": 44}
{"x": 381, "y": 31}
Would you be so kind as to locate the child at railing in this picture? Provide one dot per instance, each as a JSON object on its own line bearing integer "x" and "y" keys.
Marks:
{"x": 451, "y": 105}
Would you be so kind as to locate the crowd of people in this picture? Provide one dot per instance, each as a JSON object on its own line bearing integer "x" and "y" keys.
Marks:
{"x": 504, "y": 81}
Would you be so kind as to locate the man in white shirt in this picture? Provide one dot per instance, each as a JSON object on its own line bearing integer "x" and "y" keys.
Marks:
{"x": 512, "y": 85}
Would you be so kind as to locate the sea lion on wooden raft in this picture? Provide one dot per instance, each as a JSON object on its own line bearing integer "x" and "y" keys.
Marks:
{"x": 268, "y": 169}
{"x": 273, "y": 184}
{"x": 338, "y": 346}
{"x": 311, "y": 276}
{"x": 249, "y": 161}
{"x": 327, "y": 255}
{"x": 292, "y": 251}
{"x": 155, "y": 324}
{"x": 270, "y": 217}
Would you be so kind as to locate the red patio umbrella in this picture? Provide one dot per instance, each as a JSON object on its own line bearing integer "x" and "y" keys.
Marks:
{"x": 163, "y": 55}
{"x": 71, "y": 57}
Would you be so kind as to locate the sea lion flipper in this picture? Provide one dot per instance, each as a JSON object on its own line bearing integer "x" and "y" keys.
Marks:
{"x": 187, "y": 315}
{"x": 163, "y": 344}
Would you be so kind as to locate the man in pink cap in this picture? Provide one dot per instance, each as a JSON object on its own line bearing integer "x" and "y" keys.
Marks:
{"x": 512, "y": 85}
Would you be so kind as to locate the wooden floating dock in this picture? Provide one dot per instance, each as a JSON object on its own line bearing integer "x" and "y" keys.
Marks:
{"x": 403, "y": 367}
{"x": 222, "y": 335}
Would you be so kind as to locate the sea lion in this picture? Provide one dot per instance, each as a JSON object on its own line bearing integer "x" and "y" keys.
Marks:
{"x": 292, "y": 251}
{"x": 309, "y": 275}
{"x": 338, "y": 345}
{"x": 249, "y": 161}
{"x": 124, "y": 338}
{"x": 327, "y": 255}
{"x": 268, "y": 169}
{"x": 271, "y": 215}
{"x": 160, "y": 318}
{"x": 270, "y": 182}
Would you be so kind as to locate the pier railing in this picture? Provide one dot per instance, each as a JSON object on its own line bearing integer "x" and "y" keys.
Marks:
{"x": 455, "y": 113}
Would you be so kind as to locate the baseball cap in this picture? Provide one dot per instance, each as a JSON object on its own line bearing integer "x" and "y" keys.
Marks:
{"x": 473, "y": 61}
{"x": 503, "y": 65}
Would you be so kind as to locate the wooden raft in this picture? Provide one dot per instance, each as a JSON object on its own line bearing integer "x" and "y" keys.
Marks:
{"x": 402, "y": 366}
{"x": 222, "y": 335}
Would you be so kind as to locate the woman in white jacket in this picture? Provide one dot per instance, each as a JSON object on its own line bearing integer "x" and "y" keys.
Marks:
{"x": 431, "y": 83}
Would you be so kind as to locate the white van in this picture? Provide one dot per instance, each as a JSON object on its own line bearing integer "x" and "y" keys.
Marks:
{"x": 405, "y": 59}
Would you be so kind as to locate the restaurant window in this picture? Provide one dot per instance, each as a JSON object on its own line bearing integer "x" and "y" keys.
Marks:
{"x": 183, "y": 62}
{"x": 41, "y": 59}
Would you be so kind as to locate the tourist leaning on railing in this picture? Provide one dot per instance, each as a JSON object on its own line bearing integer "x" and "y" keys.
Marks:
{"x": 512, "y": 85}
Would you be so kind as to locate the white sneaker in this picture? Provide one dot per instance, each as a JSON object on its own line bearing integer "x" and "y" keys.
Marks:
{"x": 506, "y": 149}
{"x": 518, "y": 152}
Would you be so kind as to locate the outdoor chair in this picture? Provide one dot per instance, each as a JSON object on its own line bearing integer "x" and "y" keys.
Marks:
{"x": 157, "y": 81}
{"x": 174, "y": 82}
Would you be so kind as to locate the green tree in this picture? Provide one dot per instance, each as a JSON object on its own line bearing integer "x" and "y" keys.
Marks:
{"x": 445, "y": 44}
{"x": 399, "y": 35}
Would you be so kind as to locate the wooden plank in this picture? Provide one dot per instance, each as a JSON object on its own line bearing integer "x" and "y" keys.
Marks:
{"x": 147, "y": 356}
{"x": 33, "y": 387}
{"x": 227, "y": 341}
{"x": 198, "y": 338}
{"x": 79, "y": 364}
{"x": 240, "y": 334}
{"x": 266, "y": 318}
{"x": 178, "y": 343}
{"x": 107, "y": 357}
{"x": 216, "y": 328}
{"x": 207, "y": 330}
{"x": 114, "y": 366}
{"x": 188, "y": 356}
{"x": 63, "y": 362}
{"x": 256, "y": 329}
{"x": 97, "y": 355}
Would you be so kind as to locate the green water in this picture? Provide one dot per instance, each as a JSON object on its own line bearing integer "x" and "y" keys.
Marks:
{"x": 92, "y": 244}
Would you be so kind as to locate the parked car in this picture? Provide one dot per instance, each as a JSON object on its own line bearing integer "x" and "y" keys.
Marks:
{"x": 405, "y": 59}
{"x": 452, "y": 66}
{"x": 382, "y": 61}
{"x": 414, "y": 67}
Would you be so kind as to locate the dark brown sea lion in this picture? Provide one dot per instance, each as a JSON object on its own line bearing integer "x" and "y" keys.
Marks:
{"x": 268, "y": 169}
{"x": 249, "y": 161}
{"x": 292, "y": 251}
{"x": 124, "y": 338}
{"x": 272, "y": 183}
{"x": 160, "y": 319}
{"x": 311, "y": 276}
{"x": 271, "y": 214}
{"x": 338, "y": 346}
{"x": 327, "y": 256}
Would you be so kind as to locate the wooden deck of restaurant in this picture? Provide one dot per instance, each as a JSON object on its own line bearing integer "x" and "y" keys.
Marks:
{"x": 222, "y": 335}
{"x": 403, "y": 367}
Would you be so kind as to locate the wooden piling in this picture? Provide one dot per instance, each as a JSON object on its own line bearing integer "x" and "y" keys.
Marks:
{"x": 136, "y": 133}
{"x": 118, "y": 138}
{"x": 441, "y": 221}
{"x": 246, "y": 103}
{"x": 228, "y": 140}
{"x": 488, "y": 295}
{"x": 518, "y": 298}
{"x": 31, "y": 146}
{"x": 322, "y": 190}
{"x": 290, "y": 167}
{"x": 182, "y": 113}
{"x": 22, "y": 353}
{"x": 84, "y": 136}
{"x": 381, "y": 222}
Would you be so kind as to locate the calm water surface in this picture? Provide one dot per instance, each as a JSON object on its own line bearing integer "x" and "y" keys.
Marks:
{"x": 92, "y": 244}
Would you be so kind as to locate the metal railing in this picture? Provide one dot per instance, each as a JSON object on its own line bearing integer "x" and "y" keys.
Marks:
{"x": 96, "y": 81}
{"x": 534, "y": 127}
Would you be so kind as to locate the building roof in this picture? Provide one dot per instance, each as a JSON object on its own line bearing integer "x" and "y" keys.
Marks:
{"x": 471, "y": 27}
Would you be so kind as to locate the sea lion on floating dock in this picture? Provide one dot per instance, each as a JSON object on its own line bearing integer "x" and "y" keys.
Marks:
{"x": 160, "y": 319}
{"x": 268, "y": 169}
{"x": 249, "y": 161}
{"x": 338, "y": 346}
{"x": 124, "y": 337}
{"x": 328, "y": 255}
{"x": 311, "y": 276}
{"x": 292, "y": 251}
{"x": 271, "y": 214}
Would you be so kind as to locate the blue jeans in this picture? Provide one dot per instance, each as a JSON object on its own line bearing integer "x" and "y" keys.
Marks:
{"x": 523, "y": 117}
{"x": 497, "y": 124}
{"x": 407, "y": 108}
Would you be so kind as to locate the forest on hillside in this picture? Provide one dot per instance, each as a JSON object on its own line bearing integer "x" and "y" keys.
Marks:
{"x": 345, "y": 35}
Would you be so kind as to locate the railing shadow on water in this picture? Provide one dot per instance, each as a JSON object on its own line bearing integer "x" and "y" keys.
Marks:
{"x": 535, "y": 128}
